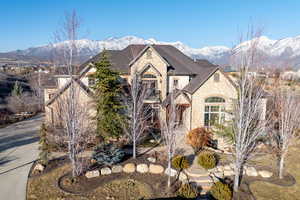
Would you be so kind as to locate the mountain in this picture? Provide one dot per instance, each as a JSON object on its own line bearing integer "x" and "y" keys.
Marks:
{"x": 285, "y": 50}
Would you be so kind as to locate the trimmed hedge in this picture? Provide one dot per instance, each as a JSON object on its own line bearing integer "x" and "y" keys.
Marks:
{"x": 180, "y": 162}
{"x": 187, "y": 191}
{"x": 221, "y": 191}
{"x": 207, "y": 160}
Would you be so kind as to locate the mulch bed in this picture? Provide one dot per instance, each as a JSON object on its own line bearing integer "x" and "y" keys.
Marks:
{"x": 53, "y": 164}
{"x": 84, "y": 185}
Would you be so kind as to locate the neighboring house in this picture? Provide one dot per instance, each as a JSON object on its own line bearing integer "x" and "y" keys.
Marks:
{"x": 290, "y": 75}
{"x": 203, "y": 94}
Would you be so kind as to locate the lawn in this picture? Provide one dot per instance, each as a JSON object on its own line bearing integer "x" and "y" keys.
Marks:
{"x": 267, "y": 191}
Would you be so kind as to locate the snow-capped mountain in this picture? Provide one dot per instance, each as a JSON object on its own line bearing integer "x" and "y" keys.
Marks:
{"x": 287, "y": 50}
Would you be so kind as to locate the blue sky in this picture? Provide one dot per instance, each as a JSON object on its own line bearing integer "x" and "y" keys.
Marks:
{"x": 196, "y": 23}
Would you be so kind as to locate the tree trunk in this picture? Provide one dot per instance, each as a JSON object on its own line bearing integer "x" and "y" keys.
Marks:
{"x": 237, "y": 172}
{"x": 134, "y": 149}
{"x": 169, "y": 169}
{"x": 281, "y": 166}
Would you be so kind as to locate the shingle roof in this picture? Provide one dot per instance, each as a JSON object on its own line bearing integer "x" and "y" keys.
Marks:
{"x": 201, "y": 77}
{"x": 178, "y": 62}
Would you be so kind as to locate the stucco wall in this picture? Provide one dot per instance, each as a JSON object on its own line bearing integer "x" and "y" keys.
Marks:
{"x": 210, "y": 88}
{"x": 159, "y": 65}
{"x": 182, "y": 82}
{"x": 53, "y": 110}
{"x": 61, "y": 81}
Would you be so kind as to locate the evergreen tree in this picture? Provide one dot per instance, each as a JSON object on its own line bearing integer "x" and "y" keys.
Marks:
{"x": 107, "y": 96}
{"x": 17, "y": 90}
{"x": 44, "y": 146}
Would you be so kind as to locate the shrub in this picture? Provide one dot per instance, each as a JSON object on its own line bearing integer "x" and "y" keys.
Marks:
{"x": 108, "y": 154}
{"x": 198, "y": 138}
{"x": 187, "y": 191}
{"x": 221, "y": 191}
{"x": 207, "y": 160}
{"x": 180, "y": 162}
{"x": 44, "y": 146}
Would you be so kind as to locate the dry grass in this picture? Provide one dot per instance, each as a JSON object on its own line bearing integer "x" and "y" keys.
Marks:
{"x": 267, "y": 191}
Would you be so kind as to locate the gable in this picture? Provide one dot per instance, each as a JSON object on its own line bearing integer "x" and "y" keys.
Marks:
{"x": 183, "y": 99}
{"x": 222, "y": 88}
{"x": 82, "y": 89}
{"x": 149, "y": 57}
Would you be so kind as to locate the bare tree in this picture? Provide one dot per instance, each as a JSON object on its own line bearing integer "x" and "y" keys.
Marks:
{"x": 76, "y": 122}
{"x": 248, "y": 121}
{"x": 73, "y": 112}
{"x": 168, "y": 130}
{"x": 35, "y": 80}
{"x": 286, "y": 122}
{"x": 139, "y": 112}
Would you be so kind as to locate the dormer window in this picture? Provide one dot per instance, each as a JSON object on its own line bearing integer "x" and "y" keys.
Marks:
{"x": 216, "y": 77}
{"x": 92, "y": 81}
{"x": 149, "y": 54}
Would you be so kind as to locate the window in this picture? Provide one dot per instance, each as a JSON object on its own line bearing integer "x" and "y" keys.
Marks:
{"x": 91, "y": 81}
{"x": 216, "y": 77}
{"x": 149, "y": 54}
{"x": 175, "y": 83}
{"x": 214, "y": 100}
{"x": 214, "y": 111}
{"x": 148, "y": 76}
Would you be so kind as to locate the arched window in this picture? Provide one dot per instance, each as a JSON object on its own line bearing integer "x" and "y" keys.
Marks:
{"x": 214, "y": 111}
{"x": 214, "y": 100}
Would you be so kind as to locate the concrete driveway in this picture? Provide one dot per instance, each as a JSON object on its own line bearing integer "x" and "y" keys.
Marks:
{"x": 18, "y": 150}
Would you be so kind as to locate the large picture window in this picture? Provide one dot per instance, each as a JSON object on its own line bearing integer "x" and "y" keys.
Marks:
{"x": 214, "y": 111}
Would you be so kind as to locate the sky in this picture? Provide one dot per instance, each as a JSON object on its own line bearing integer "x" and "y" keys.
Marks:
{"x": 197, "y": 23}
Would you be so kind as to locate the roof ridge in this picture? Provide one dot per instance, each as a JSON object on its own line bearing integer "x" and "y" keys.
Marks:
{"x": 179, "y": 60}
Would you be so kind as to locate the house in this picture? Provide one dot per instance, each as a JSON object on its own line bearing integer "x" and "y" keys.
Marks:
{"x": 203, "y": 94}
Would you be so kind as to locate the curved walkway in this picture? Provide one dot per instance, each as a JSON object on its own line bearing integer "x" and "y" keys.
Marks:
{"x": 18, "y": 150}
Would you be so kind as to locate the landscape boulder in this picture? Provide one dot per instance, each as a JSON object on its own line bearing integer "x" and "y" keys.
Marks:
{"x": 182, "y": 177}
{"x": 39, "y": 167}
{"x": 105, "y": 171}
{"x": 228, "y": 172}
{"x": 156, "y": 169}
{"x": 129, "y": 168}
{"x": 142, "y": 168}
{"x": 92, "y": 174}
{"x": 170, "y": 172}
{"x": 265, "y": 174}
{"x": 116, "y": 169}
{"x": 151, "y": 159}
{"x": 251, "y": 171}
